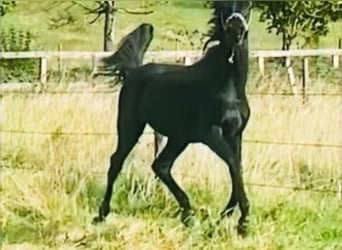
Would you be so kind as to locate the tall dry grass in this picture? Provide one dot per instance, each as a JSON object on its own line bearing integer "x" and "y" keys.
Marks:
{"x": 52, "y": 184}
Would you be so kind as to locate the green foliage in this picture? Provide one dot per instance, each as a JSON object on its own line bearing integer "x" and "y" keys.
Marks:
{"x": 299, "y": 19}
{"x": 17, "y": 69}
{"x": 179, "y": 3}
{"x": 192, "y": 4}
{"x": 69, "y": 14}
{"x": 6, "y": 6}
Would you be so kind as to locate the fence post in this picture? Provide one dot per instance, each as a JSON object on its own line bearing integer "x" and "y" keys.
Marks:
{"x": 93, "y": 71}
{"x": 336, "y": 58}
{"x": 59, "y": 60}
{"x": 291, "y": 75}
{"x": 187, "y": 61}
{"x": 43, "y": 70}
{"x": 93, "y": 65}
{"x": 93, "y": 61}
{"x": 60, "y": 65}
{"x": 261, "y": 64}
{"x": 339, "y": 190}
{"x": 336, "y": 61}
{"x": 306, "y": 77}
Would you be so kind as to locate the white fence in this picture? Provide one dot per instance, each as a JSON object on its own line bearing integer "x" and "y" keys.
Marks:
{"x": 187, "y": 57}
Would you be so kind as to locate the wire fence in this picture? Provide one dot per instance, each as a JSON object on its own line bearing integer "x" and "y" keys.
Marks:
{"x": 114, "y": 91}
{"x": 337, "y": 191}
{"x": 302, "y": 188}
{"x": 252, "y": 141}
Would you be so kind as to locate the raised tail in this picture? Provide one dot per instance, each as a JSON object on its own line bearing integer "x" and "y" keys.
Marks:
{"x": 130, "y": 53}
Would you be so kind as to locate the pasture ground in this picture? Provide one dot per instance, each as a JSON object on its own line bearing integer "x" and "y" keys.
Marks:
{"x": 52, "y": 184}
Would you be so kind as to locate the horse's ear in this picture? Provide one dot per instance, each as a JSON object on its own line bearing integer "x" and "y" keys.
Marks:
{"x": 250, "y": 11}
{"x": 222, "y": 21}
{"x": 250, "y": 4}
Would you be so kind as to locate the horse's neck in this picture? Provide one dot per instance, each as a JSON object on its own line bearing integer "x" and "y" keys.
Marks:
{"x": 231, "y": 77}
{"x": 241, "y": 64}
{"x": 216, "y": 59}
{"x": 223, "y": 76}
{"x": 221, "y": 73}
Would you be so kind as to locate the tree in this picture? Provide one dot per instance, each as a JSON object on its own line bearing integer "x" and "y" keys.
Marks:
{"x": 299, "y": 19}
{"x": 6, "y": 6}
{"x": 105, "y": 8}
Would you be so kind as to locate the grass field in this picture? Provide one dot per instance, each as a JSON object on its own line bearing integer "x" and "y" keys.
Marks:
{"x": 36, "y": 17}
{"x": 52, "y": 184}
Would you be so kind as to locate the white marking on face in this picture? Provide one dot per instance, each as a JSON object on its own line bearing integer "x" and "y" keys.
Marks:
{"x": 239, "y": 16}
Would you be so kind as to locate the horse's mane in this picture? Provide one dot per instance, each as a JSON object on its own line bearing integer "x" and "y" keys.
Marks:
{"x": 131, "y": 51}
{"x": 215, "y": 30}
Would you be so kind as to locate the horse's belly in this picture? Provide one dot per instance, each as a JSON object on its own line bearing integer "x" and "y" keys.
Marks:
{"x": 168, "y": 120}
{"x": 169, "y": 115}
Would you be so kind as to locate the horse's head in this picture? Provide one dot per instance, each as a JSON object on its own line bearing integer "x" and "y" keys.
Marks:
{"x": 230, "y": 22}
{"x": 236, "y": 25}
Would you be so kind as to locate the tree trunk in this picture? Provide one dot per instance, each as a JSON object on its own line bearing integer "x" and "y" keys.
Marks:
{"x": 284, "y": 46}
{"x": 114, "y": 17}
{"x": 286, "y": 41}
{"x": 108, "y": 25}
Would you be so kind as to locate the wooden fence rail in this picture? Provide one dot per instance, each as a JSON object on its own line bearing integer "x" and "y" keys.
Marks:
{"x": 186, "y": 56}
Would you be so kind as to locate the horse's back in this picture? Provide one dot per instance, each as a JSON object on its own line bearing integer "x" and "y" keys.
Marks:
{"x": 156, "y": 69}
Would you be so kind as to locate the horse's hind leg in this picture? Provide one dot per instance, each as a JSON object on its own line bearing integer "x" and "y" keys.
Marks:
{"x": 162, "y": 168}
{"x": 128, "y": 136}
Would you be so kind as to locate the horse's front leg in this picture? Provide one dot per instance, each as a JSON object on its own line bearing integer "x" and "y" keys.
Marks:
{"x": 235, "y": 143}
{"x": 224, "y": 150}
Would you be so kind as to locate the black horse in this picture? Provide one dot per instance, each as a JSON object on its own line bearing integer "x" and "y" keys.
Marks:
{"x": 202, "y": 103}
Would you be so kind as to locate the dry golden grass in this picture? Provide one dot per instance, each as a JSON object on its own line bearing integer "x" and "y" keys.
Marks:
{"x": 52, "y": 184}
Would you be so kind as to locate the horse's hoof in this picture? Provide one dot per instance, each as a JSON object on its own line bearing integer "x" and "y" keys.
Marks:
{"x": 98, "y": 219}
{"x": 228, "y": 212}
{"x": 242, "y": 229}
{"x": 187, "y": 218}
{"x": 103, "y": 212}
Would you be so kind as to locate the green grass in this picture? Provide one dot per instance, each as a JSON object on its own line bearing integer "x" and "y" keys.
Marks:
{"x": 167, "y": 19}
{"x": 144, "y": 216}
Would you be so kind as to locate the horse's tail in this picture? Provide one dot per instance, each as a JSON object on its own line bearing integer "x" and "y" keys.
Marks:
{"x": 130, "y": 53}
